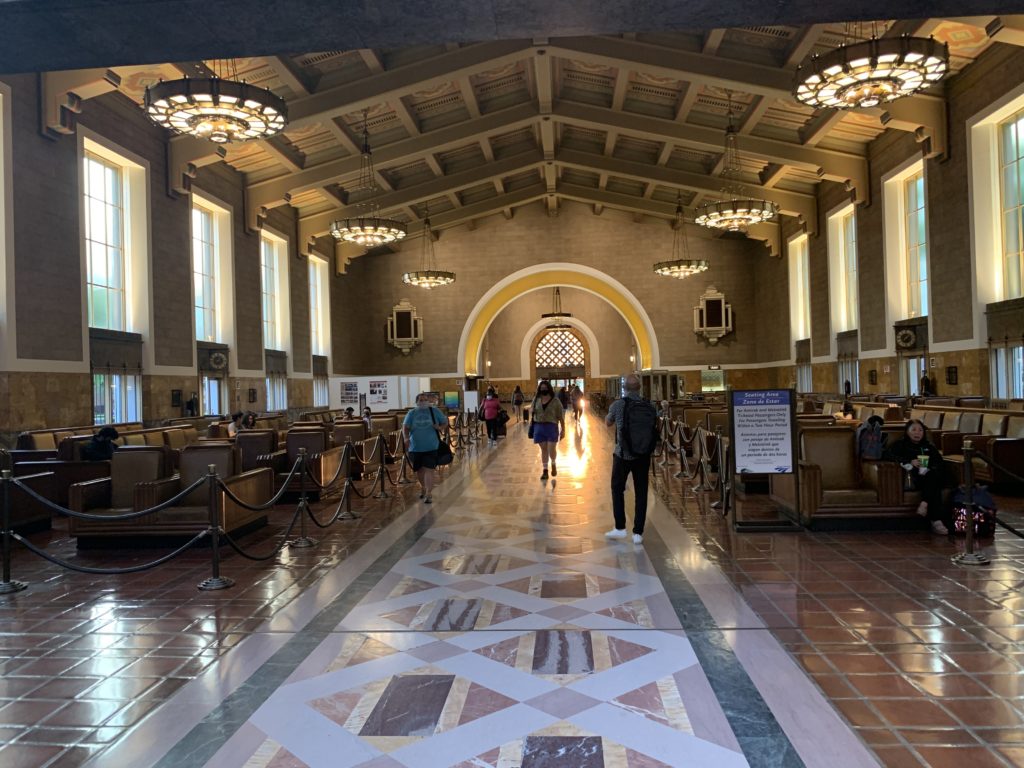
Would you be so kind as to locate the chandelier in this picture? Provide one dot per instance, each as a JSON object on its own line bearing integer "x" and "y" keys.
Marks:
{"x": 680, "y": 266}
{"x": 556, "y": 315}
{"x": 871, "y": 72}
{"x": 428, "y": 276}
{"x": 221, "y": 109}
{"x": 736, "y": 211}
{"x": 368, "y": 229}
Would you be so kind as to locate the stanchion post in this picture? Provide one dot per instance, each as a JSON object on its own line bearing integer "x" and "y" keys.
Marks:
{"x": 346, "y": 492}
{"x": 215, "y": 581}
{"x": 7, "y": 586}
{"x": 381, "y": 470}
{"x": 702, "y": 456}
{"x": 404, "y": 466}
{"x": 303, "y": 541}
{"x": 969, "y": 556}
{"x": 720, "y": 482}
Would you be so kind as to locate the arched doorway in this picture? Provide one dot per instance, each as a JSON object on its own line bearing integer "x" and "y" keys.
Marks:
{"x": 560, "y": 355}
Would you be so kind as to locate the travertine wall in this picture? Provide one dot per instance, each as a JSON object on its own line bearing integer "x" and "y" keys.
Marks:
{"x": 611, "y": 243}
{"x": 505, "y": 337}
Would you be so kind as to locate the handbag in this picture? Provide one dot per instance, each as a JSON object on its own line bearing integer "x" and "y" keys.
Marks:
{"x": 444, "y": 448}
{"x": 503, "y": 416}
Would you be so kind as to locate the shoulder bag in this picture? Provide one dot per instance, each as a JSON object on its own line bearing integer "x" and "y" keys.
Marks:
{"x": 444, "y": 448}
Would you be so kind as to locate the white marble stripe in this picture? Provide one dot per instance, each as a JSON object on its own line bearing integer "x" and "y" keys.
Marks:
{"x": 627, "y": 677}
{"x": 497, "y": 676}
{"x": 313, "y": 738}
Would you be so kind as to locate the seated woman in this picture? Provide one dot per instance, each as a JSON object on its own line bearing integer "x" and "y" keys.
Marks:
{"x": 249, "y": 420}
{"x": 102, "y": 445}
{"x": 924, "y": 465}
{"x": 235, "y": 424}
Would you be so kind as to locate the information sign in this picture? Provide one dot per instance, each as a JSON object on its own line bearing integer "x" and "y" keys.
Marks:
{"x": 762, "y": 427}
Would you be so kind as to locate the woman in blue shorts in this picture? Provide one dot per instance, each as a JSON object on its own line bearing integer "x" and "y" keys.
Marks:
{"x": 422, "y": 428}
{"x": 547, "y": 419}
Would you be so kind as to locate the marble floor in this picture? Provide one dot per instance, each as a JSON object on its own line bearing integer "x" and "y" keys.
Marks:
{"x": 498, "y": 628}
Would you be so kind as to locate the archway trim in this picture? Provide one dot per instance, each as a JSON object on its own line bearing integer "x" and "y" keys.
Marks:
{"x": 548, "y": 276}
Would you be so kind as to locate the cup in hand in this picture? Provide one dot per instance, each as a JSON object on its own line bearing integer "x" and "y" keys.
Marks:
{"x": 923, "y": 460}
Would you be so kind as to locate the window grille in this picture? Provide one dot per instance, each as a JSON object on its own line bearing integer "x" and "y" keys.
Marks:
{"x": 560, "y": 349}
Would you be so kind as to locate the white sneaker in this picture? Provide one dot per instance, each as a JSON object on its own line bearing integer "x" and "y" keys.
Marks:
{"x": 939, "y": 528}
{"x": 638, "y": 539}
{"x": 922, "y": 509}
{"x": 616, "y": 533}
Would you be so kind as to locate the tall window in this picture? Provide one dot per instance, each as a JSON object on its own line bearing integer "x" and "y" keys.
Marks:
{"x": 804, "y": 379}
{"x": 849, "y": 241}
{"x": 105, "y": 243}
{"x": 915, "y": 247}
{"x": 321, "y": 391}
{"x": 849, "y": 371}
{"x": 204, "y": 272}
{"x": 277, "y": 391}
{"x": 116, "y": 398}
{"x": 800, "y": 289}
{"x": 1007, "y": 372}
{"x": 270, "y": 273}
{"x": 215, "y": 396}
{"x": 1011, "y": 162}
{"x": 319, "y": 307}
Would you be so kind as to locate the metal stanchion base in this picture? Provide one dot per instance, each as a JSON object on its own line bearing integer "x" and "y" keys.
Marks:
{"x": 302, "y": 542}
{"x": 716, "y": 505}
{"x": 970, "y": 558}
{"x": 219, "y": 582}
{"x": 10, "y": 587}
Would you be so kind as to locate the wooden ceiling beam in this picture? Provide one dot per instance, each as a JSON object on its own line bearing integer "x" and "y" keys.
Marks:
{"x": 273, "y": 192}
{"x": 318, "y": 223}
{"x": 712, "y": 40}
{"x": 677, "y": 64}
{"x": 803, "y": 44}
{"x": 834, "y": 166}
{"x": 818, "y": 127}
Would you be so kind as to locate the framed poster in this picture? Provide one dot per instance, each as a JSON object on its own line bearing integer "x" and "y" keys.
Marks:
{"x": 451, "y": 400}
{"x": 378, "y": 393}
{"x": 349, "y": 393}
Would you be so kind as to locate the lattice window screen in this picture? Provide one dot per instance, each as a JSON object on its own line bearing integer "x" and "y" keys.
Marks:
{"x": 560, "y": 349}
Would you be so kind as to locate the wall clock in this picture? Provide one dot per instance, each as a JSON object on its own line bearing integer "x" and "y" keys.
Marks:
{"x": 218, "y": 360}
{"x": 906, "y": 338}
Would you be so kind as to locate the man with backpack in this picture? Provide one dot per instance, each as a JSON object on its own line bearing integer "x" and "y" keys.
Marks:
{"x": 636, "y": 435}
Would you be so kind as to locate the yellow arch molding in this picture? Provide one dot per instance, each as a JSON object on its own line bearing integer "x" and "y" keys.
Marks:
{"x": 551, "y": 278}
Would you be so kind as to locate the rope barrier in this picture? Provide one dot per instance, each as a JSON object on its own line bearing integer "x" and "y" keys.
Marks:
{"x": 277, "y": 549}
{"x": 108, "y": 571}
{"x": 108, "y": 518}
{"x": 266, "y": 505}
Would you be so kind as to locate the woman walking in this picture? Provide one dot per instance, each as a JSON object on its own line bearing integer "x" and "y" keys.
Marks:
{"x": 518, "y": 398}
{"x": 547, "y": 423}
{"x": 489, "y": 410}
{"x": 423, "y": 428}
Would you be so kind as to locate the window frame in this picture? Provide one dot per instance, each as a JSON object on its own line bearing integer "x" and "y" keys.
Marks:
{"x": 319, "y": 307}
{"x": 277, "y": 391}
{"x": 1012, "y": 284}
{"x": 121, "y": 396}
{"x": 274, "y": 335}
{"x": 915, "y": 241}
{"x": 112, "y": 208}
{"x": 798, "y": 253}
{"x": 204, "y": 268}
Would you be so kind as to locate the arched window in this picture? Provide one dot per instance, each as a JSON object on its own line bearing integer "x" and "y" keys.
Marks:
{"x": 560, "y": 349}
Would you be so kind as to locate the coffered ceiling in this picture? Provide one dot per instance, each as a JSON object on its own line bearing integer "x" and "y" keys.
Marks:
{"x": 629, "y": 121}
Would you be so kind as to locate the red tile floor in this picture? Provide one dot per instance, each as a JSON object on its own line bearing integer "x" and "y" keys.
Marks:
{"x": 84, "y": 657}
{"x": 921, "y": 656}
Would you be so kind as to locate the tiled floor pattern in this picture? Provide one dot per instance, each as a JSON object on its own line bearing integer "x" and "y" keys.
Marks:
{"x": 921, "y": 656}
{"x": 512, "y": 634}
{"x": 84, "y": 659}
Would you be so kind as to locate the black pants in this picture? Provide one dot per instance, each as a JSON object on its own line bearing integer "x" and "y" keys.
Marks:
{"x": 930, "y": 487}
{"x": 621, "y": 469}
{"x": 492, "y": 428}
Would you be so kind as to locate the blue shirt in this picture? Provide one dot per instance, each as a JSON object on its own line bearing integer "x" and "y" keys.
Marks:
{"x": 421, "y": 422}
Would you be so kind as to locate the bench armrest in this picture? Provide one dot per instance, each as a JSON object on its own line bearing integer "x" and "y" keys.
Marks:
{"x": 153, "y": 492}
{"x": 90, "y": 494}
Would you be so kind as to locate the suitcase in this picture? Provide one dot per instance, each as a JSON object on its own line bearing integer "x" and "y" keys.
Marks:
{"x": 502, "y": 429}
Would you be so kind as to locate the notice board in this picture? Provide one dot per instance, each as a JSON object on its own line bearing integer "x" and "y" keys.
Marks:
{"x": 762, "y": 430}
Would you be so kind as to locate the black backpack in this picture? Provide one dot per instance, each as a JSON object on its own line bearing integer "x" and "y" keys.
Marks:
{"x": 639, "y": 427}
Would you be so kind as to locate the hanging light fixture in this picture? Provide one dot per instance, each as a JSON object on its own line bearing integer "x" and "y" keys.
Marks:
{"x": 220, "y": 107}
{"x": 735, "y": 211}
{"x": 556, "y": 315}
{"x": 368, "y": 229}
{"x": 680, "y": 266}
{"x": 871, "y": 72}
{"x": 428, "y": 275}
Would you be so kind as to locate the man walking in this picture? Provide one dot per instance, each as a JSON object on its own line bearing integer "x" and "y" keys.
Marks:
{"x": 636, "y": 425}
